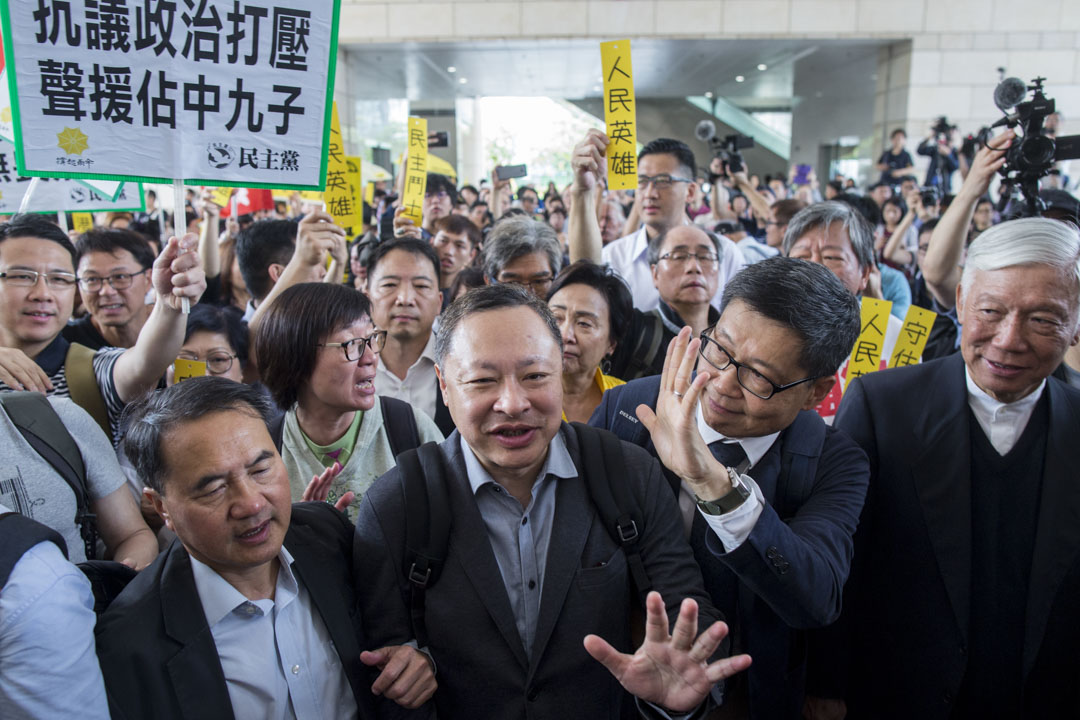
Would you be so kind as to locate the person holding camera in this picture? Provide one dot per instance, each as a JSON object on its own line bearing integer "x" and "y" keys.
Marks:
{"x": 938, "y": 146}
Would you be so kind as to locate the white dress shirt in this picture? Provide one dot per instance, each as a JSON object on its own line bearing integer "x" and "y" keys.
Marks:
{"x": 732, "y": 527}
{"x": 277, "y": 655}
{"x": 629, "y": 256}
{"x": 419, "y": 386}
{"x": 1003, "y": 423}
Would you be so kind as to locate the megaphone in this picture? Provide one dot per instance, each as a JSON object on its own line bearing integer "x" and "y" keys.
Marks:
{"x": 705, "y": 130}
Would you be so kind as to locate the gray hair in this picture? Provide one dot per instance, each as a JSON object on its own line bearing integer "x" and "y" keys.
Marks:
{"x": 1028, "y": 241}
{"x": 658, "y": 242}
{"x": 490, "y": 297}
{"x": 514, "y": 237}
{"x": 824, "y": 214}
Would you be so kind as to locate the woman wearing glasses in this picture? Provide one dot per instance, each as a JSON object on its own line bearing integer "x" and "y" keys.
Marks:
{"x": 218, "y": 337}
{"x": 316, "y": 349}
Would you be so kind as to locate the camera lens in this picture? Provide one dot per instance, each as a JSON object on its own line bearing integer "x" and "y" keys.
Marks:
{"x": 1037, "y": 150}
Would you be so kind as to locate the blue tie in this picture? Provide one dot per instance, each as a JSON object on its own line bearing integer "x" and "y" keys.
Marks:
{"x": 729, "y": 453}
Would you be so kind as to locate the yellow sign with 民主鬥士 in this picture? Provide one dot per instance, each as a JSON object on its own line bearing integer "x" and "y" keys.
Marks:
{"x": 913, "y": 336}
{"x": 620, "y": 115}
{"x": 184, "y": 369}
{"x": 341, "y": 202}
{"x": 866, "y": 355}
{"x": 416, "y": 171}
{"x": 221, "y": 195}
{"x": 81, "y": 222}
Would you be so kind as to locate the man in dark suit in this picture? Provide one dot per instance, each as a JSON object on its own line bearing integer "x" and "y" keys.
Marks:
{"x": 251, "y": 612}
{"x": 531, "y": 569}
{"x": 770, "y": 495}
{"x": 964, "y": 601}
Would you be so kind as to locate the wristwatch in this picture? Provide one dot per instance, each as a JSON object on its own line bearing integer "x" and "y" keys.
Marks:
{"x": 730, "y": 500}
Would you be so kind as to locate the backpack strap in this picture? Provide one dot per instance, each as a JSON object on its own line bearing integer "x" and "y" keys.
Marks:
{"x": 400, "y": 423}
{"x": 427, "y": 533}
{"x": 108, "y": 579}
{"x": 37, "y": 421}
{"x": 83, "y": 386}
{"x": 648, "y": 345}
{"x": 18, "y": 534}
{"x": 277, "y": 431}
{"x": 605, "y": 473}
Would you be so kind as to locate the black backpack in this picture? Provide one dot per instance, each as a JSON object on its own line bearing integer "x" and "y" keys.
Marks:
{"x": 427, "y": 533}
{"x": 18, "y": 534}
{"x": 42, "y": 428}
{"x": 398, "y": 418}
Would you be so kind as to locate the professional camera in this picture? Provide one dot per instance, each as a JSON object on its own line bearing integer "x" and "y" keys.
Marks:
{"x": 1034, "y": 152}
{"x": 942, "y": 129}
{"x": 929, "y": 196}
{"x": 727, "y": 148}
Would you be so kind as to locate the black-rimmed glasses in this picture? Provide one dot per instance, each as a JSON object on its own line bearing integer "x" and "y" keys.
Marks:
{"x": 117, "y": 281}
{"x": 354, "y": 348}
{"x": 758, "y": 385}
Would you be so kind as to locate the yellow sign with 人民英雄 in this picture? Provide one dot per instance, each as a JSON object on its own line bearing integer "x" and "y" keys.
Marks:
{"x": 341, "y": 200}
{"x": 184, "y": 369}
{"x": 620, "y": 115}
{"x": 416, "y": 171}
{"x": 866, "y": 355}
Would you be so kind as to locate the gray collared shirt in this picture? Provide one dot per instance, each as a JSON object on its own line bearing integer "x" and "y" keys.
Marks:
{"x": 520, "y": 536}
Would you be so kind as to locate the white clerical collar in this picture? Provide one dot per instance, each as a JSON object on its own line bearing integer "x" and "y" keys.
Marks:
{"x": 754, "y": 447}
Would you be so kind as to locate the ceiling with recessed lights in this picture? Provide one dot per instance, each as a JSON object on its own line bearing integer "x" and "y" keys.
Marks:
{"x": 754, "y": 74}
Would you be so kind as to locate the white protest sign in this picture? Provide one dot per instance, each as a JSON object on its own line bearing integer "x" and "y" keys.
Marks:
{"x": 214, "y": 92}
{"x": 109, "y": 188}
{"x": 7, "y": 130}
{"x": 58, "y": 194}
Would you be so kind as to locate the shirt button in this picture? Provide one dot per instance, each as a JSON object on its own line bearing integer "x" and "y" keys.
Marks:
{"x": 532, "y": 584}
{"x": 525, "y": 520}
{"x": 295, "y": 669}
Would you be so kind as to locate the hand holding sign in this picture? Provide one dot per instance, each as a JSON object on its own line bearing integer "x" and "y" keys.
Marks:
{"x": 318, "y": 236}
{"x": 178, "y": 273}
{"x": 588, "y": 161}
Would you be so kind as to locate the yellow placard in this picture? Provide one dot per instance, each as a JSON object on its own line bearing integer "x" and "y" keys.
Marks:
{"x": 82, "y": 222}
{"x": 353, "y": 164}
{"x": 341, "y": 202}
{"x": 913, "y": 336}
{"x": 620, "y": 114}
{"x": 184, "y": 369}
{"x": 369, "y": 194}
{"x": 866, "y": 355}
{"x": 416, "y": 171}
{"x": 221, "y": 195}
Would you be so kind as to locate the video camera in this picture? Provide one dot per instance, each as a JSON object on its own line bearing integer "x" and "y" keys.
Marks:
{"x": 1034, "y": 152}
{"x": 727, "y": 148}
{"x": 942, "y": 129}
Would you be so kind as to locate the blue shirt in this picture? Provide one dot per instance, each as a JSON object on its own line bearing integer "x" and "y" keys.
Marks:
{"x": 520, "y": 536}
{"x": 277, "y": 655}
{"x": 48, "y": 665}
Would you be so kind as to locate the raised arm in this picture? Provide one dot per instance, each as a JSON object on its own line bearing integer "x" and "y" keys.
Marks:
{"x": 177, "y": 273}
{"x": 941, "y": 266}
{"x": 894, "y": 249}
{"x": 589, "y": 165}
{"x": 209, "y": 251}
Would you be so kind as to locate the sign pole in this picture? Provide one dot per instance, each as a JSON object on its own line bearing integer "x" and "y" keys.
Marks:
{"x": 180, "y": 216}
{"x": 61, "y": 220}
{"x": 29, "y": 192}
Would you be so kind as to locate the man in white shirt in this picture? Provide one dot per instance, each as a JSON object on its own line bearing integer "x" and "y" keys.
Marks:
{"x": 666, "y": 172}
{"x": 968, "y": 551}
{"x": 770, "y": 497}
{"x": 250, "y": 613}
{"x": 403, "y": 286}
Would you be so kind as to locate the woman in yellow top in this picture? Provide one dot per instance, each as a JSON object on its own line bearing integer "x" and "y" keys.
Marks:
{"x": 592, "y": 306}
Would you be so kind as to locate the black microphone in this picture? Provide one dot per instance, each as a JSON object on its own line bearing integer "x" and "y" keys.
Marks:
{"x": 1009, "y": 93}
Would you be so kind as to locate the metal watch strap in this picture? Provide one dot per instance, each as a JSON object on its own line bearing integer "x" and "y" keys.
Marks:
{"x": 730, "y": 500}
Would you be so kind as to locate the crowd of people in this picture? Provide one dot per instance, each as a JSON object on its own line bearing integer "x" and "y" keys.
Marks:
{"x": 570, "y": 453}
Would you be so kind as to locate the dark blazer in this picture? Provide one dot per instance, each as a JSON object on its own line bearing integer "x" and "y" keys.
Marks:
{"x": 910, "y": 589}
{"x": 156, "y": 650}
{"x": 483, "y": 670}
{"x": 789, "y": 574}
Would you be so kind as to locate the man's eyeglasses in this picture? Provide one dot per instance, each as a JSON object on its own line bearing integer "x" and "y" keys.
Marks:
{"x": 758, "y": 385}
{"x": 218, "y": 362}
{"x": 681, "y": 257}
{"x": 29, "y": 278}
{"x": 660, "y": 182}
{"x": 354, "y": 348}
{"x": 538, "y": 285}
{"x": 117, "y": 281}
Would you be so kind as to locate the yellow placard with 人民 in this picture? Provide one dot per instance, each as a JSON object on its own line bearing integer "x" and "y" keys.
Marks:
{"x": 184, "y": 369}
{"x": 221, "y": 195}
{"x": 620, "y": 114}
{"x": 415, "y": 171}
{"x": 913, "y": 336}
{"x": 866, "y": 355}
{"x": 82, "y": 222}
{"x": 353, "y": 165}
{"x": 341, "y": 201}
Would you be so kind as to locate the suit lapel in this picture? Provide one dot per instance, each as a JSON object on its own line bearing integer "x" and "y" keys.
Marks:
{"x": 1057, "y": 536}
{"x": 942, "y": 477}
{"x": 198, "y": 680}
{"x": 574, "y": 517}
{"x": 469, "y": 542}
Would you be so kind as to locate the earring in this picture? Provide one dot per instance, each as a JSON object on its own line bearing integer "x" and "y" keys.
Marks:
{"x": 605, "y": 365}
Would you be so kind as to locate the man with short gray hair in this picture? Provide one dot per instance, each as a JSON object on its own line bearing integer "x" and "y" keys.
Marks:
{"x": 523, "y": 251}
{"x": 836, "y": 235}
{"x": 967, "y": 574}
